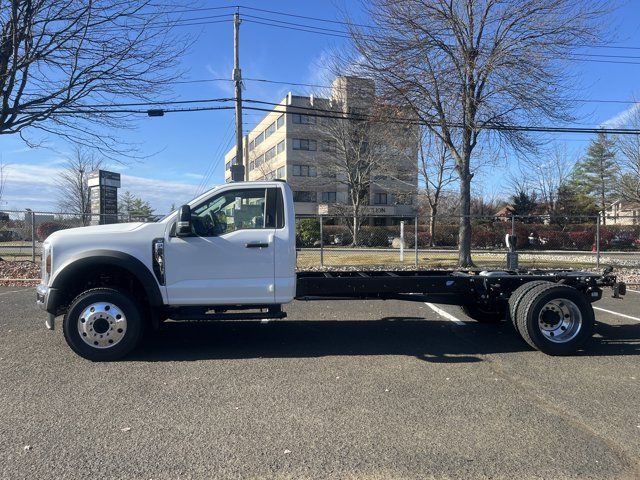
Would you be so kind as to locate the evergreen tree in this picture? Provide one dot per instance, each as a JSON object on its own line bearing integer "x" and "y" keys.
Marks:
{"x": 572, "y": 202}
{"x": 523, "y": 203}
{"x": 134, "y": 207}
{"x": 596, "y": 175}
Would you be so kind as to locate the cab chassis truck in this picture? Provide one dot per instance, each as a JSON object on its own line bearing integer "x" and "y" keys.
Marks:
{"x": 231, "y": 254}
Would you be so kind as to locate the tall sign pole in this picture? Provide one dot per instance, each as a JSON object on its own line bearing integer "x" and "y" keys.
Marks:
{"x": 237, "y": 170}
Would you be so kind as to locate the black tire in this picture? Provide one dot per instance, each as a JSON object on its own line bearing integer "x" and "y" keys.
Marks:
{"x": 571, "y": 319}
{"x": 518, "y": 294}
{"x": 482, "y": 315}
{"x": 105, "y": 301}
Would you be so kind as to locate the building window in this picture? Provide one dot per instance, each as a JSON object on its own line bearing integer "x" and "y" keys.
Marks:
{"x": 252, "y": 145}
{"x": 301, "y": 119}
{"x": 281, "y": 172}
{"x": 329, "y": 197}
{"x": 259, "y": 139}
{"x": 227, "y": 165}
{"x": 281, "y": 146}
{"x": 304, "y": 144}
{"x": 404, "y": 199}
{"x": 379, "y": 198}
{"x": 329, "y": 146}
{"x": 303, "y": 196}
{"x": 259, "y": 160}
{"x": 268, "y": 156}
{"x": 271, "y": 129}
{"x": 252, "y": 165}
{"x": 280, "y": 121}
{"x": 304, "y": 171}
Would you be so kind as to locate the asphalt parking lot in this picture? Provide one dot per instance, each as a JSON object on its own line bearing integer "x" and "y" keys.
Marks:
{"x": 338, "y": 390}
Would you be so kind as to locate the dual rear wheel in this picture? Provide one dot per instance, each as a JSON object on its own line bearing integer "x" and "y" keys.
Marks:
{"x": 555, "y": 319}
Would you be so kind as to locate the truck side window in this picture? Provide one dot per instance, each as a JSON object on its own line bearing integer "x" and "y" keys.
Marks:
{"x": 229, "y": 211}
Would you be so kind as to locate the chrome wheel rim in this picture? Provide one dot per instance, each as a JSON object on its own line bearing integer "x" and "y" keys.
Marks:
{"x": 102, "y": 325}
{"x": 560, "y": 320}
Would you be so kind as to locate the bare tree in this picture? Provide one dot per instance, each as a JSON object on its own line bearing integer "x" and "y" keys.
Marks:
{"x": 58, "y": 57}
{"x": 362, "y": 153}
{"x": 3, "y": 180}
{"x": 629, "y": 150}
{"x": 549, "y": 175}
{"x": 437, "y": 169}
{"x": 72, "y": 183}
{"x": 468, "y": 66}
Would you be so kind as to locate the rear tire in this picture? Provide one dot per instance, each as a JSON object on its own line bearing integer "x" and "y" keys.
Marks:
{"x": 518, "y": 294}
{"x": 483, "y": 315}
{"x": 555, "y": 319}
{"x": 103, "y": 324}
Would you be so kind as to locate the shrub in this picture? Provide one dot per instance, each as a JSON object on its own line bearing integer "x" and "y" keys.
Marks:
{"x": 47, "y": 228}
{"x": 374, "y": 237}
{"x": 307, "y": 232}
{"x": 582, "y": 240}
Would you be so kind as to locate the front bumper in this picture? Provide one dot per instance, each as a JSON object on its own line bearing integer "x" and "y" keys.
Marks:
{"x": 46, "y": 300}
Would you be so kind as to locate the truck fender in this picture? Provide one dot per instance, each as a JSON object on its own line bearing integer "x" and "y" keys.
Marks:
{"x": 95, "y": 258}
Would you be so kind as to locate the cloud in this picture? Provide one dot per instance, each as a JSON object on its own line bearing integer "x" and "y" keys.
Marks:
{"x": 623, "y": 118}
{"x": 222, "y": 86}
{"x": 34, "y": 186}
{"x": 195, "y": 176}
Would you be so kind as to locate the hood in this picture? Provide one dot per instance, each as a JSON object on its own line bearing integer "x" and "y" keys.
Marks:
{"x": 95, "y": 230}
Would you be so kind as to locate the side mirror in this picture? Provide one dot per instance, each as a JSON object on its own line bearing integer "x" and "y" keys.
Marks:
{"x": 184, "y": 227}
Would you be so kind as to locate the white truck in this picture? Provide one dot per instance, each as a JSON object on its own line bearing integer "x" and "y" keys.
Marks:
{"x": 231, "y": 254}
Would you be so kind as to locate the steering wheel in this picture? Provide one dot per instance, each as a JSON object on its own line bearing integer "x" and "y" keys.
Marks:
{"x": 216, "y": 225}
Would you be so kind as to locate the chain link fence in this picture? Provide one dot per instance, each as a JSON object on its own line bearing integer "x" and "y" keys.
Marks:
{"x": 395, "y": 242}
{"x": 562, "y": 242}
{"x": 23, "y": 231}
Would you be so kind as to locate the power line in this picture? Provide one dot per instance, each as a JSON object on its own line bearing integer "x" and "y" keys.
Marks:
{"x": 329, "y": 87}
{"x": 216, "y": 158}
{"x": 150, "y": 112}
{"x": 342, "y": 114}
{"x": 489, "y": 126}
{"x": 339, "y": 22}
{"x": 139, "y": 104}
{"x": 326, "y": 113}
{"x": 345, "y": 35}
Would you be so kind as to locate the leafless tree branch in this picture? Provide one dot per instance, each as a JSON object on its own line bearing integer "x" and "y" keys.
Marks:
{"x": 56, "y": 55}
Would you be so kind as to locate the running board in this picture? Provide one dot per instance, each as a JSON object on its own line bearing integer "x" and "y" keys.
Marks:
{"x": 187, "y": 313}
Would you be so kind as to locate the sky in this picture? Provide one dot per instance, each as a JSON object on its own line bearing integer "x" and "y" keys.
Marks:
{"x": 185, "y": 150}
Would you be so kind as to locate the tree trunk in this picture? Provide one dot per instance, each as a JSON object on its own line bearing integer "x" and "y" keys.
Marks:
{"x": 464, "y": 232}
{"x": 432, "y": 224}
{"x": 355, "y": 229}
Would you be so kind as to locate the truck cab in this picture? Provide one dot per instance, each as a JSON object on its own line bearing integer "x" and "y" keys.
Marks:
{"x": 231, "y": 248}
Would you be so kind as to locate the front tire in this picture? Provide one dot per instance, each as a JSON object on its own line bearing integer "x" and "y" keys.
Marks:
{"x": 103, "y": 324}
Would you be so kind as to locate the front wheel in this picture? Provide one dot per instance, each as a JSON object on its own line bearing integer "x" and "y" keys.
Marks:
{"x": 102, "y": 324}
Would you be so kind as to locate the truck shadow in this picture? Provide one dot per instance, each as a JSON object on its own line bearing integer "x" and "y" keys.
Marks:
{"x": 429, "y": 340}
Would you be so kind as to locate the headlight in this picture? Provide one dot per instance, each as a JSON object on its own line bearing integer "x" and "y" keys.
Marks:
{"x": 46, "y": 262}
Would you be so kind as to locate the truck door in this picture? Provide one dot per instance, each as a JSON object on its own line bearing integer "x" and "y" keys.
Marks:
{"x": 231, "y": 257}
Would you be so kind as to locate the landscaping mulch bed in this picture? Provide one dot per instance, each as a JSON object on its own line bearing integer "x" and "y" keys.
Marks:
{"x": 19, "y": 273}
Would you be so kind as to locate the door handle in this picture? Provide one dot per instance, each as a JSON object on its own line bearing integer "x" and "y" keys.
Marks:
{"x": 256, "y": 245}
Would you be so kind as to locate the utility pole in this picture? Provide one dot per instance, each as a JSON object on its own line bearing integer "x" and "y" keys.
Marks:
{"x": 237, "y": 170}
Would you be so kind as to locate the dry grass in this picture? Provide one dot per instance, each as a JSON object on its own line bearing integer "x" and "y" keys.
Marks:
{"x": 309, "y": 259}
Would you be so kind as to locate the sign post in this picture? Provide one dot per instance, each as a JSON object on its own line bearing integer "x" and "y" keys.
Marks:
{"x": 104, "y": 196}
